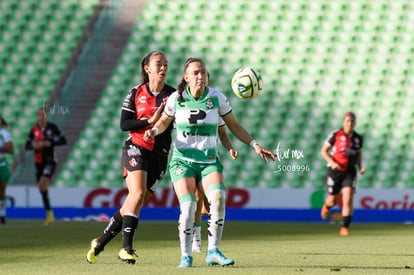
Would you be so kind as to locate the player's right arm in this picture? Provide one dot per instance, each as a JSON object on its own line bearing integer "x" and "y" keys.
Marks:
{"x": 160, "y": 126}
{"x": 225, "y": 140}
{"x": 326, "y": 147}
{"x": 8, "y": 144}
{"x": 30, "y": 144}
{"x": 128, "y": 120}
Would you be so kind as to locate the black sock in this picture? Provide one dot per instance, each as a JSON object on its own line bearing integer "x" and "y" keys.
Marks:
{"x": 346, "y": 221}
{"x": 45, "y": 198}
{"x": 129, "y": 225}
{"x": 112, "y": 229}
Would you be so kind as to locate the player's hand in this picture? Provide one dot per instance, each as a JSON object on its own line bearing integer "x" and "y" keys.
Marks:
{"x": 265, "y": 154}
{"x": 335, "y": 166}
{"x": 38, "y": 145}
{"x": 362, "y": 170}
{"x": 156, "y": 116}
{"x": 234, "y": 154}
{"x": 149, "y": 135}
{"x": 47, "y": 143}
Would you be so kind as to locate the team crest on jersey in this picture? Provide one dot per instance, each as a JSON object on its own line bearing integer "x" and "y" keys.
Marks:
{"x": 178, "y": 170}
{"x": 209, "y": 103}
{"x": 356, "y": 141}
{"x": 132, "y": 162}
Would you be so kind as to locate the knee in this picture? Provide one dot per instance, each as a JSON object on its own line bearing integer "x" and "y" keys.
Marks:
{"x": 217, "y": 200}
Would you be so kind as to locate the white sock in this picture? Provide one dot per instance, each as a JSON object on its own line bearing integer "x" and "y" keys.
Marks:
{"x": 186, "y": 226}
{"x": 197, "y": 234}
{"x": 217, "y": 200}
{"x": 2, "y": 207}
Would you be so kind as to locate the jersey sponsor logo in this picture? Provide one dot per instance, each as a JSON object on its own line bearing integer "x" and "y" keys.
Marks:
{"x": 350, "y": 152}
{"x": 141, "y": 109}
{"x": 142, "y": 99}
{"x": 198, "y": 134}
{"x": 196, "y": 115}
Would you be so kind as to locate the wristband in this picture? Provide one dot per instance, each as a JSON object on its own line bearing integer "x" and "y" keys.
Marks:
{"x": 155, "y": 129}
{"x": 253, "y": 143}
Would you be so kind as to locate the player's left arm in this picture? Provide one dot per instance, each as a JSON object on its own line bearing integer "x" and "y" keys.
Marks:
{"x": 245, "y": 137}
{"x": 58, "y": 137}
{"x": 359, "y": 162}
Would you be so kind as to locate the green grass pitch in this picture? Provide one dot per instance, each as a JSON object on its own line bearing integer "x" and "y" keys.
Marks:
{"x": 28, "y": 247}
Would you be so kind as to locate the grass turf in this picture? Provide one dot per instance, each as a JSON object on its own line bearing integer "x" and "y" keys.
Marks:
{"x": 28, "y": 247}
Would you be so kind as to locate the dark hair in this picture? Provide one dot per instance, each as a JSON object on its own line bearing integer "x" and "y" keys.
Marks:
{"x": 145, "y": 61}
{"x": 181, "y": 86}
{"x": 3, "y": 122}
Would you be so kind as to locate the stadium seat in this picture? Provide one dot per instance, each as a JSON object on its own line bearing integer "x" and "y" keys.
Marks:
{"x": 318, "y": 59}
{"x": 35, "y": 51}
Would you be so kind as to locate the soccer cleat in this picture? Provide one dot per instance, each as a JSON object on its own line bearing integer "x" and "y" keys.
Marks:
{"x": 215, "y": 257}
{"x": 344, "y": 231}
{"x": 186, "y": 262}
{"x": 50, "y": 218}
{"x": 92, "y": 256}
{"x": 127, "y": 256}
{"x": 324, "y": 212}
{"x": 3, "y": 220}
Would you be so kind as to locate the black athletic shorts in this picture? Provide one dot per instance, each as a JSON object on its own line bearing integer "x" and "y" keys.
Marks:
{"x": 46, "y": 169}
{"x": 336, "y": 180}
{"x": 138, "y": 158}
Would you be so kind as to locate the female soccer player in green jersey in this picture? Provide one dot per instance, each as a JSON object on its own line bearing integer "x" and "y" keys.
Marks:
{"x": 6, "y": 147}
{"x": 197, "y": 109}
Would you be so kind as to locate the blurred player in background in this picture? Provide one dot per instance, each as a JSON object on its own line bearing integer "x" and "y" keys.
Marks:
{"x": 42, "y": 138}
{"x": 197, "y": 109}
{"x": 144, "y": 163}
{"x": 342, "y": 151}
{"x": 6, "y": 147}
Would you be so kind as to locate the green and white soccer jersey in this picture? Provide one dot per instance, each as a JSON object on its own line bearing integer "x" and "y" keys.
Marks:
{"x": 4, "y": 138}
{"x": 196, "y": 122}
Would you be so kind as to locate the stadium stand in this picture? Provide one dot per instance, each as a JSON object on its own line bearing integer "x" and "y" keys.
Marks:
{"x": 36, "y": 41}
{"x": 318, "y": 59}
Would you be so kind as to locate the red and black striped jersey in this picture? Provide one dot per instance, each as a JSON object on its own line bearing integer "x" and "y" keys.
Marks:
{"x": 345, "y": 148}
{"x": 141, "y": 104}
{"x": 49, "y": 133}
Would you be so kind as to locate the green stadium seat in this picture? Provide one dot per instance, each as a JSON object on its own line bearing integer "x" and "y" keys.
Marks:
{"x": 318, "y": 59}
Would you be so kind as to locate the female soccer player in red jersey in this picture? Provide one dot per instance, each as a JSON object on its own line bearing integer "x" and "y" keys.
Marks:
{"x": 42, "y": 138}
{"x": 342, "y": 151}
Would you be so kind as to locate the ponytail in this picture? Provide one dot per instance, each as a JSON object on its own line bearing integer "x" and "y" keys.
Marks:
{"x": 180, "y": 88}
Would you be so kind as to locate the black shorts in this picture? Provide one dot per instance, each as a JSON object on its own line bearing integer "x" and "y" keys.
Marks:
{"x": 46, "y": 169}
{"x": 336, "y": 180}
{"x": 138, "y": 158}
